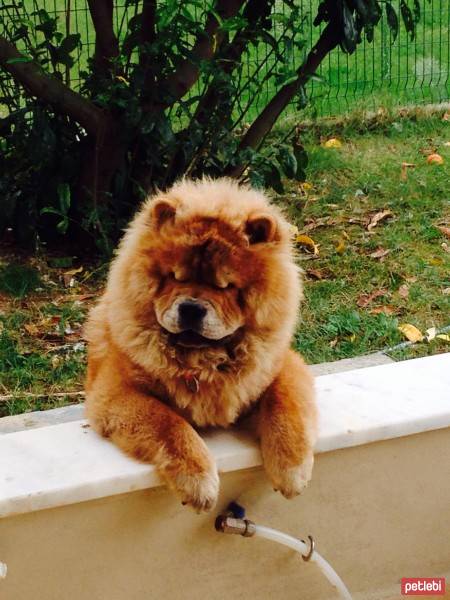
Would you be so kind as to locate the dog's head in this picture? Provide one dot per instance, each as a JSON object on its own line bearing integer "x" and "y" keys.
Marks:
{"x": 207, "y": 262}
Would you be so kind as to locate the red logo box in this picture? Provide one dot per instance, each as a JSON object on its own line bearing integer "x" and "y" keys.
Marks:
{"x": 423, "y": 586}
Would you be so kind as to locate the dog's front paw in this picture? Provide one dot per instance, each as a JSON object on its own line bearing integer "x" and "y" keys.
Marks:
{"x": 198, "y": 489}
{"x": 291, "y": 481}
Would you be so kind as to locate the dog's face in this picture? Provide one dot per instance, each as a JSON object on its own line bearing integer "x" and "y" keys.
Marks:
{"x": 205, "y": 268}
{"x": 205, "y": 264}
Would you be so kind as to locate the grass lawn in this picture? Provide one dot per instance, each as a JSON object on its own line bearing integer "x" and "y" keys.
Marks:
{"x": 368, "y": 277}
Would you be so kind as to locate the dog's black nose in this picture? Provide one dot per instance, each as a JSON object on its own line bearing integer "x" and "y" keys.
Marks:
{"x": 190, "y": 314}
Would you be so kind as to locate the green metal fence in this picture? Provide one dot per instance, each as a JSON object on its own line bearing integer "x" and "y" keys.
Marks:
{"x": 388, "y": 72}
{"x": 385, "y": 72}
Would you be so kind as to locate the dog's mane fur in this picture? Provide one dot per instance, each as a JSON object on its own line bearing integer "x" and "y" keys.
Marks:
{"x": 124, "y": 321}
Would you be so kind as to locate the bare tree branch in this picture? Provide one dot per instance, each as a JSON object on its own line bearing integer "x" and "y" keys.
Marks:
{"x": 148, "y": 22}
{"x": 187, "y": 73}
{"x": 148, "y": 31}
{"x": 106, "y": 42}
{"x": 231, "y": 55}
{"x": 47, "y": 88}
{"x": 328, "y": 40}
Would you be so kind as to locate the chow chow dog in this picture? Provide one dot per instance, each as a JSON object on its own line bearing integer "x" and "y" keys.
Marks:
{"x": 194, "y": 330}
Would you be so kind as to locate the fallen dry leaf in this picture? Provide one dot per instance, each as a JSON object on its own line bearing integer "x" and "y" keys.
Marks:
{"x": 446, "y": 143}
{"x": 427, "y": 150}
{"x": 357, "y": 220}
{"x": 321, "y": 222}
{"x": 377, "y": 217}
{"x": 319, "y": 274}
{"x": 365, "y": 299}
{"x": 430, "y": 334}
{"x": 387, "y": 309}
{"x": 80, "y": 298}
{"x": 411, "y": 332}
{"x": 404, "y": 171}
{"x": 340, "y": 246}
{"x": 403, "y": 291}
{"x": 31, "y": 328}
{"x": 379, "y": 253}
{"x": 443, "y": 336}
{"x": 56, "y": 361}
{"x": 68, "y": 277}
{"x": 332, "y": 143}
{"x": 443, "y": 229}
{"x": 306, "y": 242}
{"x": 333, "y": 343}
{"x": 446, "y": 291}
{"x": 446, "y": 116}
{"x": 122, "y": 79}
{"x": 445, "y": 247}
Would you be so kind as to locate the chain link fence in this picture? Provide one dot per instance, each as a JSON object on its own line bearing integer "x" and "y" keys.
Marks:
{"x": 386, "y": 72}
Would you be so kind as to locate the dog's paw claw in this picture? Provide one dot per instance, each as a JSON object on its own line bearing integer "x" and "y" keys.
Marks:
{"x": 292, "y": 481}
{"x": 199, "y": 491}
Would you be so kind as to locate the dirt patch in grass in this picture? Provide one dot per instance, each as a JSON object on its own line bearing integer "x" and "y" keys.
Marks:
{"x": 42, "y": 309}
{"x": 381, "y": 259}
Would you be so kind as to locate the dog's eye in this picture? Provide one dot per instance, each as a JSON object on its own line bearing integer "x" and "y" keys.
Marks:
{"x": 226, "y": 285}
{"x": 179, "y": 275}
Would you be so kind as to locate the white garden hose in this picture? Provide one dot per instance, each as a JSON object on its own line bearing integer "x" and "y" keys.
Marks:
{"x": 233, "y": 521}
{"x": 302, "y": 548}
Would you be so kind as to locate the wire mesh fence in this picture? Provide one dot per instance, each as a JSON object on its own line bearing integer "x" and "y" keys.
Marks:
{"x": 385, "y": 72}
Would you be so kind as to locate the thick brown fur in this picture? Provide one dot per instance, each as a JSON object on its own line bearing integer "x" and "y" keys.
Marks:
{"x": 149, "y": 385}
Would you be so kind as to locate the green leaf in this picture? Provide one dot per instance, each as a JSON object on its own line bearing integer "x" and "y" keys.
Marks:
{"x": 273, "y": 178}
{"x": 407, "y": 17}
{"x": 63, "y": 191}
{"x": 375, "y": 11}
{"x": 416, "y": 11}
{"x": 363, "y": 10}
{"x": 350, "y": 34}
{"x": 370, "y": 31}
{"x": 301, "y": 157}
{"x": 392, "y": 19}
{"x": 63, "y": 225}
{"x": 288, "y": 162}
{"x": 257, "y": 179}
{"x": 19, "y": 59}
{"x": 48, "y": 210}
{"x": 319, "y": 78}
{"x": 70, "y": 43}
{"x": 48, "y": 25}
{"x": 302, "y": 98}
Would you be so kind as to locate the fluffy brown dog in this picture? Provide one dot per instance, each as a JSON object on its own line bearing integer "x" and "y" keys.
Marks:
{"x": 193, "y": 330}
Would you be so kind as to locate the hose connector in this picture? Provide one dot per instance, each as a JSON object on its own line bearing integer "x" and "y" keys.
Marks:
{"x": 229, "y": 524}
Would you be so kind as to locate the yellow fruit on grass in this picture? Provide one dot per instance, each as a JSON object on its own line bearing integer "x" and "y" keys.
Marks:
{"x": 435, "y": 159}
{"x": 333, "y": 143}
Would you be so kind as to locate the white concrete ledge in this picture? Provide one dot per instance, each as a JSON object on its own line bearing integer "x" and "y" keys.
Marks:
{"x": 68, "y": 463}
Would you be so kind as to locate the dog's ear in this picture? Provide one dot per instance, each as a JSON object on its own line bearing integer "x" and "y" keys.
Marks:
{"x": 262, "y": 228}
{"x": 162, "y": 212}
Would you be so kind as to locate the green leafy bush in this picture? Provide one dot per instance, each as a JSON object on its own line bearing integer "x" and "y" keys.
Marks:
{"x": 163, "y": 95}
